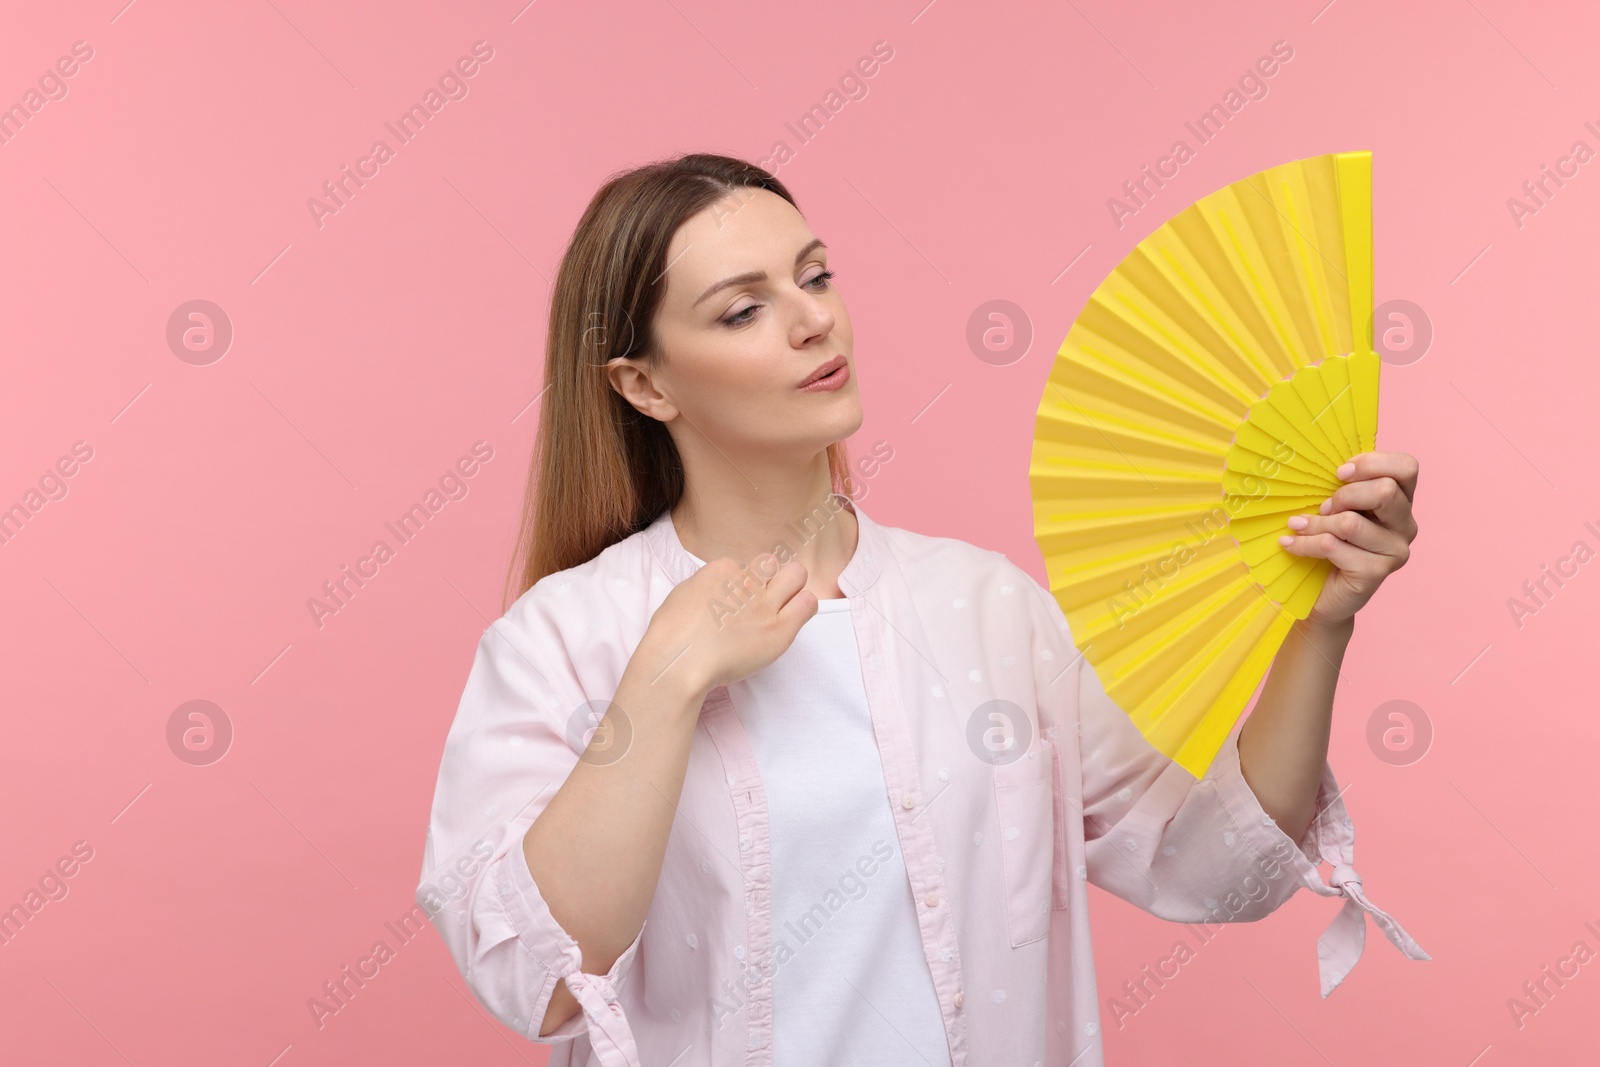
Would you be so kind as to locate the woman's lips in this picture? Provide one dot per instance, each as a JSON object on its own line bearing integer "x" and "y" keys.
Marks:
{"x": 829, "y": 382}
{"x": 824, "y": 370}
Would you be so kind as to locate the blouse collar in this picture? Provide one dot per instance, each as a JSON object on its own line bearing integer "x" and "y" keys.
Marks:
{"x": 858, "y": 574}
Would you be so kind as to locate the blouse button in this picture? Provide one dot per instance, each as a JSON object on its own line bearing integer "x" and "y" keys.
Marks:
{"x": 932, "y": 900}
{"x": 909, "y": 801}
{"x": 959, "y": 1000}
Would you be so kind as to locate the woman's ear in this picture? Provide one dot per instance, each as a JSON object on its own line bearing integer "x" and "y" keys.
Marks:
{"x": 633, "y": 383}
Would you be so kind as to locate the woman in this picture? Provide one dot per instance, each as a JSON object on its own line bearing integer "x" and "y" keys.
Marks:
{"x": 845, "y": 782}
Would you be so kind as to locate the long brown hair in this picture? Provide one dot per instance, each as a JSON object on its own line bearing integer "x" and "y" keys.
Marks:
{"x": 601, "y": 469}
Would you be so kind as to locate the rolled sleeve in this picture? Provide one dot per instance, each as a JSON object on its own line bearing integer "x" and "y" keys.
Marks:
{"x": 506, "y": 755}
{"x": 1329, "y": 839}
{"x": 545, "y": 940}
{"x": 1201, "y": 850}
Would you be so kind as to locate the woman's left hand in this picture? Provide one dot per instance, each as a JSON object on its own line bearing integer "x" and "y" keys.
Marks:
{"x": 1365, "y": 530}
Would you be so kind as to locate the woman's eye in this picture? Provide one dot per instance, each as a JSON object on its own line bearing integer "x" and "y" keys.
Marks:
{"x": 741, "y": 317}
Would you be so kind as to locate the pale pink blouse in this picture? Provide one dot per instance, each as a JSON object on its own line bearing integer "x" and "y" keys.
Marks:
{"x": 953, "y": 639}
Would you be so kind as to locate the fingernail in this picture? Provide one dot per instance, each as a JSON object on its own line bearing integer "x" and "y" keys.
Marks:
{"x": 1286, "y": 540}
{"x": 1346, "y": 471}
{"x": 1327, "y": 506}
{"x": 1298, "y": 522}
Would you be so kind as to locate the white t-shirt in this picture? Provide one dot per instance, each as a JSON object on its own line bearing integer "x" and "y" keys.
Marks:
{"x": 857, "y": 989}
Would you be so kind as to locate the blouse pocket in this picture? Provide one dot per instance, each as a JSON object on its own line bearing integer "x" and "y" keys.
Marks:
{"x": 1023, "y": 797}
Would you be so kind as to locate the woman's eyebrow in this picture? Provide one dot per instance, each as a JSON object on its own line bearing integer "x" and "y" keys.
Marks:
{"x": 757, "y": 275}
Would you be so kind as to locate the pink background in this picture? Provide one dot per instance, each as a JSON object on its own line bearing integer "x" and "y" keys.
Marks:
{"x": 370, "y": 353}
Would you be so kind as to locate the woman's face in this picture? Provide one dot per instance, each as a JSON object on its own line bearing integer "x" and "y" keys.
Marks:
{"x": 749, "y": 313}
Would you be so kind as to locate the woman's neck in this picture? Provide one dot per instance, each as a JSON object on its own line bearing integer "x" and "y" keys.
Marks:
{"x": 802, "y": 520}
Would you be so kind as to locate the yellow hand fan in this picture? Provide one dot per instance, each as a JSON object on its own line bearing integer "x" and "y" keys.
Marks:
{"x": 1207, "y": 391}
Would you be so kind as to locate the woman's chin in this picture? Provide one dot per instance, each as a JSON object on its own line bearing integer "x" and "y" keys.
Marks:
{"x": 847, "y": 420}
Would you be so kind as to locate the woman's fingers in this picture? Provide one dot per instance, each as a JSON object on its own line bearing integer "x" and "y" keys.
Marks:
{"x": 1382, "y": 484}
{"x": 788, "y": 580}
{"x": 1381, "y": 498}
{"x": 1401, "y": 466}
{"x": 785, "y": 595}
{"x": 1364, "y": 529}
{"x": 1350, "y": 528}
{"x": 798, "y": 609}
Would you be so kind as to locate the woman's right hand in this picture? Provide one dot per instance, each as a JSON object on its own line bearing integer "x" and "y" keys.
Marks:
{"x": 724, "y": 622}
